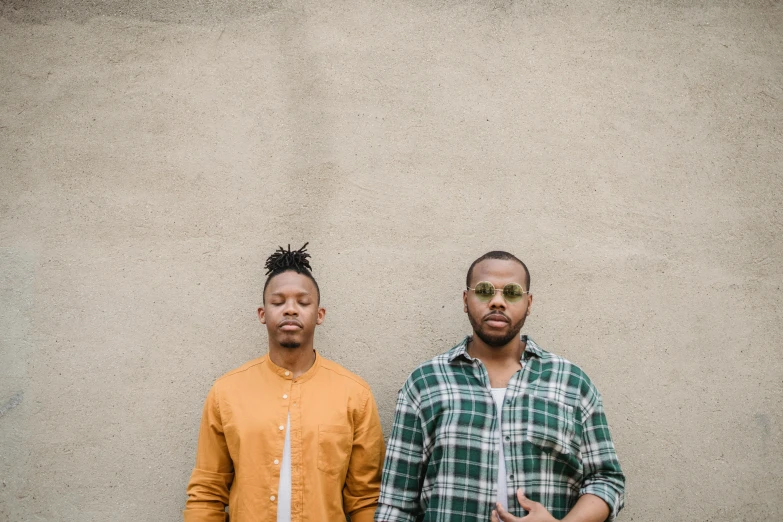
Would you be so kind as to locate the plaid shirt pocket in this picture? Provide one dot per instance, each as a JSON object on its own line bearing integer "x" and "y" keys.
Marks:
{"x": 550, "y": 426}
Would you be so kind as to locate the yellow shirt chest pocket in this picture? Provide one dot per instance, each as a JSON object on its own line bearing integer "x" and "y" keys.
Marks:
{"x": 334, "y": 448}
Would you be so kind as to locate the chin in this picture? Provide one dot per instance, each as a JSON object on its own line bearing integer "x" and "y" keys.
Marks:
{"x": 498, "y": 340}
{"x": 290, "y": 344}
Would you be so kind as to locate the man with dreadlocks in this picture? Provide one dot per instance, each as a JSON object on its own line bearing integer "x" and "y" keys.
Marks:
{"x": 498, "y": 429}
{"x": 290, "y": 436}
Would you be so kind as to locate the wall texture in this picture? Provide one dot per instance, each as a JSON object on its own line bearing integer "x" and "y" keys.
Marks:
{"x": 152, "y": 154}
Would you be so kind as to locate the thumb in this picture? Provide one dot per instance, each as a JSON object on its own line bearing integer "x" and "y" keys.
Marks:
{"x": 525, "y": 502}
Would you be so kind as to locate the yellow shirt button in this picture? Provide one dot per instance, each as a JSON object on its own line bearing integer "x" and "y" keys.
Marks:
{"x": 285, "y": 395}
{"x": 272, "y": 498}
{"x": 281, "y": 427}
{"x": 287, "y": 373}
{"x": 277, "y": 461}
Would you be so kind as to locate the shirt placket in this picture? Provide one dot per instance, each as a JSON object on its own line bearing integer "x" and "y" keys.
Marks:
{"x": 297, "y": 475}
{"x": 483, "y": 394}
{"x": 284, "y": 401}
{"x": 517, "y": 387}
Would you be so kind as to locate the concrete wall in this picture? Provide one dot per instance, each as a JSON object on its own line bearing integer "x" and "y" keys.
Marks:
{"x": 152, "y": 156}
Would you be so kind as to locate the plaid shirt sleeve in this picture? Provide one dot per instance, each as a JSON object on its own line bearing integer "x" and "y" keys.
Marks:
{"x": 602, "y": 474}
{"x": 404, "y": 466}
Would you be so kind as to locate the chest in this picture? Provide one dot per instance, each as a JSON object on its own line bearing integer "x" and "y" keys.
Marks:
{"x": 499, "y": 376}
{"x": 464, "y": 403}
{"x": 268, "y": 408}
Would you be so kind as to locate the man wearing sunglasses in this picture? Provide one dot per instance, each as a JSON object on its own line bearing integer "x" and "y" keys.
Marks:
{"x": 498, "y": 428}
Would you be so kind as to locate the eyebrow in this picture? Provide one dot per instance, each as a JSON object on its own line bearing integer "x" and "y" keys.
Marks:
{"x": 281, "y": 294}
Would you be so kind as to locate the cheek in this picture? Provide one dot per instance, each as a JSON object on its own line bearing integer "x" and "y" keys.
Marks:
{"x": 474, "y": 312}
{"x": 309, "y": 318}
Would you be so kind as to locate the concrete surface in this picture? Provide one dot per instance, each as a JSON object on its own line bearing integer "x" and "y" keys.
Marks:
{"x": 152, "y": 154}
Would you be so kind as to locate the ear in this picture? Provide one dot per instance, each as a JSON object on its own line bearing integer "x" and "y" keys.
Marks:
{"x": 321, "y": 315}
{"x": 261, "y": 315}
{"x": 465, "y": 301}
{"x": 529, "y": 304}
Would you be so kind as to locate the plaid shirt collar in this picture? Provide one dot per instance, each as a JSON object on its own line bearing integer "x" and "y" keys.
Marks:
{"x": 461, "y": 350}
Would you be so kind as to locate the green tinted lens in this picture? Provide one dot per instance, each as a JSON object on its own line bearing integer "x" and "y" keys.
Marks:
{"x": 484, "y": 291}
{"x": 513, "y": 292}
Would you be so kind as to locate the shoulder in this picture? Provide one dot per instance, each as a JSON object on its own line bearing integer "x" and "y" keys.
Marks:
{"x": 236, "y": 382}
{"x": 438, "y": 366}
{"x": 347, "y": 377}
{"x": 562, "y": 373}
{"x": 430, "y": 375}
{"x": 243, "y": 370}
{"x": 555, "y": 362}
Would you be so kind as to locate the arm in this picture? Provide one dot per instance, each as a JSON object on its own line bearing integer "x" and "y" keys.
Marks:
{"x": 603, "y": 485}
{"x": 214, "y": 471}
{"x": 403, "y": 470}
{"x": 603, "y": 477}
{"x": 363, "y": 481}
{"x": 588, "y": 508}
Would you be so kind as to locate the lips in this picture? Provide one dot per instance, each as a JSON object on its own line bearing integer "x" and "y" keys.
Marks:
{"x": 496, "y": 320}
{"x": 290, "y": 325}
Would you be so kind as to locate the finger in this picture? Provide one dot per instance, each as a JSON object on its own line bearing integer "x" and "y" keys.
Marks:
{"x": 525, "y": 502}
{"x": 495, "y": 516}
{"x": 504, "y": 515}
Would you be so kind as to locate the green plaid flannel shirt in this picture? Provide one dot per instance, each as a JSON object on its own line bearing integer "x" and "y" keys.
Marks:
{"x": 441, "y": 459}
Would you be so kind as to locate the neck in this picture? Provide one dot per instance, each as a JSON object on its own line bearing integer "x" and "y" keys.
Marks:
{"x": 510, "y": 353}
{"x": 296, "y": 360}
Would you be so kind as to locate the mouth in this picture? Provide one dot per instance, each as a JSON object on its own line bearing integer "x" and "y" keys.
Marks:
{"x": 496, "y": 320}
{"x": 290, "y": 325}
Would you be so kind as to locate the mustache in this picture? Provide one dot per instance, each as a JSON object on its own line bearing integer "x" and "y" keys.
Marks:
{"x": 290, "y": 321}
{"x": 496, "y": 316}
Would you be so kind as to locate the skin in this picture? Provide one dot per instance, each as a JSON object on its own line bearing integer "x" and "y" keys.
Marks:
{"x": 589, "y": 508}
{"x": 496, "y": 342}
{"x": 291, "y": 312}
{"x": 497, "y": 323}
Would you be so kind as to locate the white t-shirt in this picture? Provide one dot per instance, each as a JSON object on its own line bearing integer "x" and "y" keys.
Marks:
{"x": 284, "y": 487}
{"x": 499, "y": 394}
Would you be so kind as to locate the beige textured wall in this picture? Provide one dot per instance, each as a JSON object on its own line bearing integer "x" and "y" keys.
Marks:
{"x": 152, "y": 157}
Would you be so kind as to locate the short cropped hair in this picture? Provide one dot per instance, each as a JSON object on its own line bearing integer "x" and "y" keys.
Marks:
{"x": 497, "y": 254}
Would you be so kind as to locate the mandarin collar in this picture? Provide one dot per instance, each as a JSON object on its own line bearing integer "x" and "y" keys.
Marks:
{"x": 281, "y": 372}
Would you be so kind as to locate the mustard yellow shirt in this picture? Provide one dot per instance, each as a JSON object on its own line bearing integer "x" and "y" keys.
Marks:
{"x": 337, "y": 447}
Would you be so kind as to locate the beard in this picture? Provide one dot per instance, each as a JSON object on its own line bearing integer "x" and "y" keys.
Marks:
{"x": 290, "y": 344}
{"x": 493, "y": 339}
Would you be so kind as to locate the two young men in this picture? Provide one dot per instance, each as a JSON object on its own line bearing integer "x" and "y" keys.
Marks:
{"x": 495, "y": 429}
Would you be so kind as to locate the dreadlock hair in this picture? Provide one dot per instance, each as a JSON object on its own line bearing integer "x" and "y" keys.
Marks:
{"x": 283, "y": 260}
{"x": 498, "y": 254}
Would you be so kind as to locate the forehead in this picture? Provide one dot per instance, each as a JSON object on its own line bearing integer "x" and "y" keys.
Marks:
{"x": 290, "y": 283}
{"x": 498, "y": 272}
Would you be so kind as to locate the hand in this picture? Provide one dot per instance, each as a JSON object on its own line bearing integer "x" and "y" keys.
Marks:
{"x": 535, "y": 512}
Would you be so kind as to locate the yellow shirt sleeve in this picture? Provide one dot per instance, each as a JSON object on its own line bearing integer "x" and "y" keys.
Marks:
{"x": 363, "y": 481}
{"x": 211, "y": 479}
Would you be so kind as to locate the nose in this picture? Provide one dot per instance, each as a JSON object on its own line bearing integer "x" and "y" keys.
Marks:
{"x": 290, "y": 307}
{"x": 498, "y": 302}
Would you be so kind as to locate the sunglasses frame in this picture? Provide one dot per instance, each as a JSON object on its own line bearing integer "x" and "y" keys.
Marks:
{"x": 515, "y": 299}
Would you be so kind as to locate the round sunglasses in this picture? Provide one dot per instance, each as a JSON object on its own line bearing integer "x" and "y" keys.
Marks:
{"x": 485, "y": 291}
